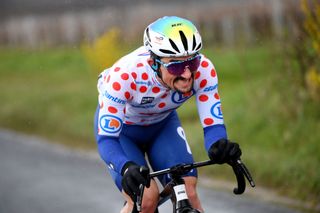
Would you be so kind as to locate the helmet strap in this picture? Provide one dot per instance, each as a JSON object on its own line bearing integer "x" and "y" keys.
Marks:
{"x": 156, "y": 66}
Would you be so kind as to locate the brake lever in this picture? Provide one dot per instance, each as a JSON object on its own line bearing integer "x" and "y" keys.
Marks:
{"x": 246, "y": 172}
{"x": 139, "y": 198}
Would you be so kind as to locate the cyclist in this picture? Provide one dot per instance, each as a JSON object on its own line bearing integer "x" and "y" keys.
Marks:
{"x": 137, "y": 120}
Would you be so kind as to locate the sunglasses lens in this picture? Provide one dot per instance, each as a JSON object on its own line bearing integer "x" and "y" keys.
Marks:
{"x": 194, "y": 64}
{"x": 178, "y": 68}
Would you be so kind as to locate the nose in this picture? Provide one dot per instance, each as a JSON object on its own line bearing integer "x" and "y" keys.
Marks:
{"x": 187, "y": 73}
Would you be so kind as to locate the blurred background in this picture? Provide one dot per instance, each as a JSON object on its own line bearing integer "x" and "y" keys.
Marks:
{"x": 266, "y": 53}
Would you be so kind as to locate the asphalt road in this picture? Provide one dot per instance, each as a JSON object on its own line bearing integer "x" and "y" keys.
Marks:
{"x": 39, "y": 177}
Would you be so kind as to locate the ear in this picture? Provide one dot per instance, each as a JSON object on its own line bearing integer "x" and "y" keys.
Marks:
{"x": 154, "y": 65}
{"x": 150, "y": 61}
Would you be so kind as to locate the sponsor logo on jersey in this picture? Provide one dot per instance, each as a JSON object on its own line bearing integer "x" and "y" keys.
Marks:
{"x": 148, "y": 83}
{"x": 144, "y": 106}
{"x": 216, "y": 110}
{"x": 146, "y": 100}
{"x": 114, "y": 99}
{"x": 179, "y": 98}
{"x": 110, "y": 123}
{"x": 210, "y": 88}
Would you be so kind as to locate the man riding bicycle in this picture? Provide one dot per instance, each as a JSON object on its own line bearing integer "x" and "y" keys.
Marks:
{"x": 136, "y": 121}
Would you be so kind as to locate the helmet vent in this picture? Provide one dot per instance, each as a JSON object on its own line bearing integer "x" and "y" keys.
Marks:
{"x": 148, "y": 35}
{"x": 166, "y": 51}
{"x": 184, "y": 40}
{"x": 174, "y": 46}
{"x": 199, "y": 46}
{"x": 194, "y": 42}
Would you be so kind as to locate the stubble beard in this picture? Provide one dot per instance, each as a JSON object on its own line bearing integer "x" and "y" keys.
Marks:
{"x": 181, "y": 90}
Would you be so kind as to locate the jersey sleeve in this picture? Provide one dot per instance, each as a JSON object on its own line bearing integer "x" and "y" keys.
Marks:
{"x": 209, "y": 103}
{"x": 115, "y": 87}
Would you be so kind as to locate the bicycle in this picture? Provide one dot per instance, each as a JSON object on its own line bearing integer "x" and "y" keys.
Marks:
{"x": 175, "y": 189}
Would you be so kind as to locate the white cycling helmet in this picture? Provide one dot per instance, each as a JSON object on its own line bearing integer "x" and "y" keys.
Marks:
{"x": 172, "y": 36}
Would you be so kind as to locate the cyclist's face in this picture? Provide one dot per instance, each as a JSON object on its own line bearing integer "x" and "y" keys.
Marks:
{"x": 183, "y": 82}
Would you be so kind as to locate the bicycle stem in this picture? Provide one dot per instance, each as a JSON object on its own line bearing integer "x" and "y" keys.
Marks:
{"x": 240, "y": 170}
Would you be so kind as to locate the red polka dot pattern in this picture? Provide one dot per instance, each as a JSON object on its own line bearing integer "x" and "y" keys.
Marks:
{"x": 145, "y": 76}
{"x": 217, "y": 96}
{"x": 133, "y": 86}
{"x": 164, "y": 95}
{"x": 127, "y": 95}
{"x": 208, "y": 121}
{"x": 125, "y": 76}
{"x": 126, "y": 82}
{"x": 112, "y": 110}
{"x": 203, "y": 83}
{"x": 204, "y": 64}
{"x": 213, "y": 73}
{"x": 116, "y": 86}
{"x": 161, "y": 105}
{"x": 143, "y": 89}
{"x": 197, "y": 75}
{"x": 203, "y": 98}
{"x": 155, "y": 89}
{"x": 134, "y": 75}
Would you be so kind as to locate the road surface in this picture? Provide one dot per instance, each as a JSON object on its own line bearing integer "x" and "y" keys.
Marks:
{"x": 39, "y": 177}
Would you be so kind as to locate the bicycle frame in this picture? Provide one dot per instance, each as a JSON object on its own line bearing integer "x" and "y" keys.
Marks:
{"x": 175, "y": 189}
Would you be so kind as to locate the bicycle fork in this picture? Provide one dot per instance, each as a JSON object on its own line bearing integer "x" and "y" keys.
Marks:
{"x": 181, "y": 201}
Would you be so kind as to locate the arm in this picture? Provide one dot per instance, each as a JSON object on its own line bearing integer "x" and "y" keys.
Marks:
{"x": 114, "y": 92}
{"x": 219, "y": 148}
{"x": 209, "y": 103}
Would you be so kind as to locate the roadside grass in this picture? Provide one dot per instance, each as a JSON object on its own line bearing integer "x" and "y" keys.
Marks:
{"x": 48, "y": 92}
{"x": 279, "y": 134}
{"x": 52, "y": 93}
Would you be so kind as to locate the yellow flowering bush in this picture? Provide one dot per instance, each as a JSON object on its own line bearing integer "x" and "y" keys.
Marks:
{"x": 313, "y": 83}
{"x": 311, "y": 10}
{"x": 104, "y": 51}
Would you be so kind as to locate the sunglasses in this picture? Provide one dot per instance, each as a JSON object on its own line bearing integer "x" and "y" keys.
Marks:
{"x": 178, "y": 67}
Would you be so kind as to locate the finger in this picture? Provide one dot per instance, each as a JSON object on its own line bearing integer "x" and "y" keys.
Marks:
{"x": 235, "y": 152}
{"x": 133, "y": 186}
{"x": 224, "y": 151}
{"x": 223, "y": 144}
{"x": 139, "y": 178}
{"x": 128, "y": 191}
{"x": 145, "y": 173}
